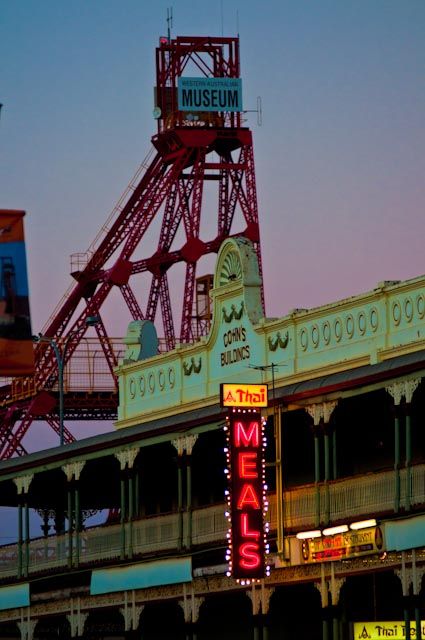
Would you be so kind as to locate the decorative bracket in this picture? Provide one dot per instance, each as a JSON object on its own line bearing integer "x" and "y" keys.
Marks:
{"x": 185, "y": 443}
{"x": 278, "y": 342}
{"x": 411, "y": 576}
{"x": 321, "y": 411}
{"x": 131, "y": 613}
{"x": 260, "y": 598}
{"x": 191, "y": 605}
{"x": 195, "y": 368}
{"x": 404, "y": 389}
{"x": 73, "y": 470}
{"x": 23, "y": 483}
{"x": 330, "y": 587}
{"x": 76, "y": 619}
{"x": 233, "y": 315}
{"x": 127, "y": 457}
{"x": 27, "y": 628}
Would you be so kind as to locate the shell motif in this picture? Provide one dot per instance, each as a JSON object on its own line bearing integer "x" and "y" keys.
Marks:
{"x": 231, "y": 269}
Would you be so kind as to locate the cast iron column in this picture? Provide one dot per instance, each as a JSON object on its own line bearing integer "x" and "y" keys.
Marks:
{"x": 126, "y": 458}
{"x": 22, "y": 485}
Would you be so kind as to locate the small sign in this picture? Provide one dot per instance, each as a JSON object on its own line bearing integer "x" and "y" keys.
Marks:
{"x": 395, "y": 630}
{"x": 243, "y": 395}
{"x": 340, "y": 546}
{"x": 209, "y": 94}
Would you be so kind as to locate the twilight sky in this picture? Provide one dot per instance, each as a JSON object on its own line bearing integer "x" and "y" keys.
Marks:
{"x": 340, "y": 160}
{"x": 339, "y": 156}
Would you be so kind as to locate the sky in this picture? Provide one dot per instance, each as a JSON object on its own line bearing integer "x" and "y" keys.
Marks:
{"x": 339, "y": 155}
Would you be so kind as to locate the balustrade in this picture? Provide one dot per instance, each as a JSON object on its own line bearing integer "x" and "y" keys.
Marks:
{"x": 349, "y": 499}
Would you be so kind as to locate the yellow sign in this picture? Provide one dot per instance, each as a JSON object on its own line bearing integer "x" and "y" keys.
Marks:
{"x": 394, "y": 630}
{"x": 342, "y": 545}
{"x": 243, "y": 395}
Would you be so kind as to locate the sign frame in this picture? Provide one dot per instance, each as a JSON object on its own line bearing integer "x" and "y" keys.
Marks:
{"x": 240, "y": 395}
{"x": 247, "y": 503}
{"x": 209, "y": 94}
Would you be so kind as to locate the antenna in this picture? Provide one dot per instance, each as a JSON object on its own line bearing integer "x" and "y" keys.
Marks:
{"x": 258, "y": 111}
{"x": 222, "y": 18}
{"x": 169, "y": 22}
{"x": 267, "y": 367}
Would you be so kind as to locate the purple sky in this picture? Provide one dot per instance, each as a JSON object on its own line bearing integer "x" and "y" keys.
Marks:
{"x": 339, "y": 157}
{"x": 340, "y": 161}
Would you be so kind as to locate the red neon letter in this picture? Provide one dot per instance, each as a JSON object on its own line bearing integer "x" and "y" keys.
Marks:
{"x": 247, "y": 465}
{"x": 252, "y": 436}
{"x": 245, "y": 532}
{"x": 248, "y": 497}
{"x": 250, "y": 558}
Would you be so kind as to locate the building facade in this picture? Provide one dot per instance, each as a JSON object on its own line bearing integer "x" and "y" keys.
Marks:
{"x": 345, "y": 475}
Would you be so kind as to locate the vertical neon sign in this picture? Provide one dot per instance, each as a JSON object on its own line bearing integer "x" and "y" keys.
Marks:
{"x": 246, "y": 496}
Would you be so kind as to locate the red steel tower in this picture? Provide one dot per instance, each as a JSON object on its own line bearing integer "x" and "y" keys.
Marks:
{"x": 201, "y": 147}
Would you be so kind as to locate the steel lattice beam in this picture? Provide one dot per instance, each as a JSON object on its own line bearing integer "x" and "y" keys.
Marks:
{"x": 219, "y": 150}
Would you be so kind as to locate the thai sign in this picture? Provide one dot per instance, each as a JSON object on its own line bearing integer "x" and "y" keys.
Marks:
{"x": 16, "y": 347}
{"x": 243, "y": 395}
{"x": 342, "y": 545}
{"x": 209, "y": 94}
{"x": 246, "y": 496}
{"x": 395, "y": 630}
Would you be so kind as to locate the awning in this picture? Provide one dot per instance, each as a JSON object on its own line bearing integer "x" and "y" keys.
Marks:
{"x": 141, "y": 576}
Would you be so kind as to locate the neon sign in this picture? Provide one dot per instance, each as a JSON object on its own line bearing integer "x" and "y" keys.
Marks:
{"x": 243, "y": 395}
{"x": 246, "y": 496}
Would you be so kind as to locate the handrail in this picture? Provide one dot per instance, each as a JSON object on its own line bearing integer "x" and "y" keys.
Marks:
{"x": 349, "y": 498}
